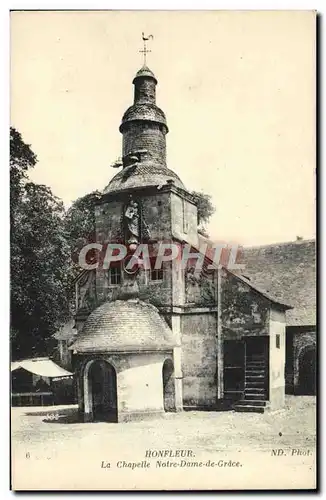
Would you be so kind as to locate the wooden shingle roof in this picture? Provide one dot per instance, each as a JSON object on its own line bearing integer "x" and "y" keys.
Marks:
{"x": 288, "y": 272}
{"x": 124, "y": 325}
{"x": 145, "y": 173}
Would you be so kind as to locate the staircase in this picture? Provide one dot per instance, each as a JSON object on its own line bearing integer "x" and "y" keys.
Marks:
{"x": 255, "y": 393}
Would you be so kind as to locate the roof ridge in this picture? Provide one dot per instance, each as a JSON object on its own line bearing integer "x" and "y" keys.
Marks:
{"x": 296, "y": 242}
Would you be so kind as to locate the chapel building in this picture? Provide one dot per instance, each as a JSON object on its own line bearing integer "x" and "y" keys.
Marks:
{"x": 170, "y": 339}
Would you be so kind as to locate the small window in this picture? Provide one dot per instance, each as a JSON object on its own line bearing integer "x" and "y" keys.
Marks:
{"x": 156, "y": 274}
{"x": 114, "y": 276}
{"x": 278, "y": 341}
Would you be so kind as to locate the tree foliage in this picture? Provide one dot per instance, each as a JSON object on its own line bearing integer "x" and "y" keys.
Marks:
{"x": 80, "y": 219}
{"x": 39, "y": 253}
{"x": 80, "y": 227}
{"x": 205, "y": 209}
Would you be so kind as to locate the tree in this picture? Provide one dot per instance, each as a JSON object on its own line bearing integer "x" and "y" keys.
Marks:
{"x": 39, "y": 257}
{"x": 22, "y": 159}
{"x": 80, "y": 219}
{"x": 205, "y": 210}
{"x": 80, "y": 225}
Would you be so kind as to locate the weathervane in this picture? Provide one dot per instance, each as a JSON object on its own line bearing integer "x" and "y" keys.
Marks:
{"x": 145, "y": 49}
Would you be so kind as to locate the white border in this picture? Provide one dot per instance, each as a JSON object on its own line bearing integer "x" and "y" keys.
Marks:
{"x": 5, "y": 6}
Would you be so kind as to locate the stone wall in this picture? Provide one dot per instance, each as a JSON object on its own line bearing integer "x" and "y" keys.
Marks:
{"x": 148, "y": 136}
{"x": 277, "y": 359}
{"x": 200, "y": 287}
{"x": 243, "y": 310}
{"x": 156, "y": 213}
{"x": 157, "y": 216}
{"x": 184, "y": 219}
{"x": 145, "y": 91}
{"x": 165, "y": 214}
{"x": 158, "y": 293}
{"x": 199, "y": 360}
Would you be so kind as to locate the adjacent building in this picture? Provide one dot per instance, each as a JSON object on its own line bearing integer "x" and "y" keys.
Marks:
{"x": 289, "y": 271}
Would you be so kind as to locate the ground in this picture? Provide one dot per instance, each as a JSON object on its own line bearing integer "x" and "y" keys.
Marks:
{"x": 52, "y": 435}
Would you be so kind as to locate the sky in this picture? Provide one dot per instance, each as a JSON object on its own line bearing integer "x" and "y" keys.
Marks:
{"x": 238, "y": 90}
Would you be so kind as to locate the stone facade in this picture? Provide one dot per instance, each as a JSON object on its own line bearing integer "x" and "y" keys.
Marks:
{"x": 244, "y": 310}
{"x": 199, "y": 360}
{"x": 201, "y": 326}
{"x": 142, "y": 136}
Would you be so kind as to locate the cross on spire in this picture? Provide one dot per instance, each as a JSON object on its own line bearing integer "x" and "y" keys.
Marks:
{"x": 145, "y": 50}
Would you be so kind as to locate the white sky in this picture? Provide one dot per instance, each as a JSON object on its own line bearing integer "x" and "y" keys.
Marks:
{"x": 238, "y": 89}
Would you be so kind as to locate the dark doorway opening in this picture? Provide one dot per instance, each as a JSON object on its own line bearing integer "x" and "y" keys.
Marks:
{"x": 103, "y": 391}
{"x": 234, "y": 369}
{"x": 168, "y": 385}
{"x": 307, "y": 372}
{"x": 257, "y": 347}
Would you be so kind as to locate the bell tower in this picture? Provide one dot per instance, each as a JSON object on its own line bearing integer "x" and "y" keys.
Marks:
{"x": 143, "y": 128}
{"x": 144, "y": 124}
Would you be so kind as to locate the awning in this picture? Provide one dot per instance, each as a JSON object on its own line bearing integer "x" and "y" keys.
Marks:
{"x": 44, "y": 367}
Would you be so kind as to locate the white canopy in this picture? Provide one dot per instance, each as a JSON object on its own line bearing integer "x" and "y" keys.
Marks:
{"x": 44, "y": 367}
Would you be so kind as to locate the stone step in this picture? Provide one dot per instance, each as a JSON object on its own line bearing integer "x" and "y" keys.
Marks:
{"x": 254, "y": 397}
{"x": 255, "y": 389}
{"x": 249, "y": 409}
{"x": 255, "y": 376}
{"x": 251, "y": 402}
{"x": 254, "y": 383}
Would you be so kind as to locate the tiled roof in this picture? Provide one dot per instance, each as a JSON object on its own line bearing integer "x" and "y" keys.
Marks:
{"x": 262, "y": 292}
{"x": 144, "y": 111}
{"x": 145, "y": 174}
{"x": 124, "y": 325}
{"x": 208, "y": 259}
{"x": 288, "y": 272}
{"x": 144, "y": 71}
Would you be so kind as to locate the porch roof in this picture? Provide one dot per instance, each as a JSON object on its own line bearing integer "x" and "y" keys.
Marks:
{"x": 44, "y": 367}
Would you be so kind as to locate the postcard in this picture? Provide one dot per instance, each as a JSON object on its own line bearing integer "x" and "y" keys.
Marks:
{"x": 163, "y": 281}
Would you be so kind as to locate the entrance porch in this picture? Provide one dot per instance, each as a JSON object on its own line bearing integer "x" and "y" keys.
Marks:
{"x": 127, "y": 386}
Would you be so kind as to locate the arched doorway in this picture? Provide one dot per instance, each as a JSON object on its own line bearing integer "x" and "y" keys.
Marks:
{"x": 100, "y": 391}
{"x": 307, "y": 371}
{"x": 168, "y": 385}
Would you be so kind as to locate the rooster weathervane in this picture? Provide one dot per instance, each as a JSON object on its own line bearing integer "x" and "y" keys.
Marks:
{"x": 145, "y": 50}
